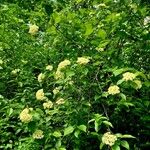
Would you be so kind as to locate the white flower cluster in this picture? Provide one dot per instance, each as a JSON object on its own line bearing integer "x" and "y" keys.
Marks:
{"x": 114, "y": 89}
{"x": 38, "y": 134}
{"x": 59, "y": 74}
{"x": 49, "y": 67}
{"x": 15, "y": 71}
{"x": 146, "y": 20}
{"x": 25, "y": 115}
{"x": 40, "y": 95}
{"x": 48, "y": 105}
{"x": 128, "y": 76}
{"x": 63, "y": 64}
{"x": 60, "y": 101}
{"x": 33, "y": 29}
{"x": 41, "y": 77}
{"x": 109, "y": 139}
{"x": 83, "y": 60}
{"x": 56, "y": 90}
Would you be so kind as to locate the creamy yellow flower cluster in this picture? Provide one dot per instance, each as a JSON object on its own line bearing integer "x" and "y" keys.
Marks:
{"x": 62, "y": 65}
{"x": 15, "y": 71}
{"x": 38, "y": 134}
{"x": 41, "y": 97}
{"x": 48, "y": 104}
{"x": 109, "y": 139}
{"x": 25, "y": 115}
{"x": 83, "y": 60}
{"x": 33, "y": 29}
{"x": 114, "y": 89}
{"x": 42, "y": 76}
{"x": 128, "y": 76}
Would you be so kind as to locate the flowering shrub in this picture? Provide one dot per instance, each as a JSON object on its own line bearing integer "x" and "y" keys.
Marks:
{"x": 74, "y": 75}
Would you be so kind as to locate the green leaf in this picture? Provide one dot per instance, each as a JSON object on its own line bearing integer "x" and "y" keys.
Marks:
{"x": 57, "y": 134}
{"x": 10, "y": 111}
{"x": 68, "y": 130}
{"x": 70, "y": 73}
{"x": 91, "y": 120}
{"x": 119, "y": 135}
{"x": 62, "y": 148}
{"x": 119, "y": 71}
{"x": 89, "y": 29}
{"x": 115, "y": 147}
{"x": 108, "y": 123}
{"x": 56, "y": 17}
{"x": 102, "y": 34}
{"x": 76, "y": 133}
{"x": 82, "y": 128}
{"x": 58, "y": 144}
{"x": 141, "y": 74}
{"x": 122, "y": 96}
{"x": 96, "y": 126}
{"x": 127, "y": 104}
{"x": 138, "y": 83}
{"x": 120, "y": 81}
{"x": 125, "y": 144}
{"x": 127, "y": 136}
{"x": 101, "y": 146}
{"x": 103, "y": 44}
{"x": 78, "y": 1}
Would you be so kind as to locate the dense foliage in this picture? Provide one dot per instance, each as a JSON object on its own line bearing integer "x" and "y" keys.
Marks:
{"x": 74, "y": 74}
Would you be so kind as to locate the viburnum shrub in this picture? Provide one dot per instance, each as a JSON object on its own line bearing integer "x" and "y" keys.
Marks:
{"x": 69, "y": 78}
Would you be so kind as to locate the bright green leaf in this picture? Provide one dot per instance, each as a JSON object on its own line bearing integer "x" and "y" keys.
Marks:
{"x": 76, "y": 133}
{"x": 82, "y": 128}
{"x": 127, "y": 136}
{"x": 108, "y": 123}
{"x": 101, "y": 146}
{"x": 115, "y": 147}
{"x": 120, "y": 81}
{"x": 57, "y": 134}
{"x": 125, "y": 144}
{"x": 68, "y": 130}
{"x": 102, "y": 34}
{"x": 96, "y": 126}
{"x": 89, "y": 29}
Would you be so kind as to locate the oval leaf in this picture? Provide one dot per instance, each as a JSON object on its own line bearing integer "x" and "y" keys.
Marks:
{"x": 125, "y": 144}
{"x": 68, "y": 130}
{"x": 82, "y": 128}
{"x": 57, "y": 134}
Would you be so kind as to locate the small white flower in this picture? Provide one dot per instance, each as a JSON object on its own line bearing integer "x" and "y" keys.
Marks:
{"x": 60, "y": 101}
{"x": 41, "y": 77}
{"x": 48, "y": 105}
{"x": 49, "y": 67}
{"x": 38, "y": 134}
{"x": 146, "y": 20}
{"x": 15, "y": 71}
{"x": 33, "y": 29}
{"x": 56, "y": 90}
